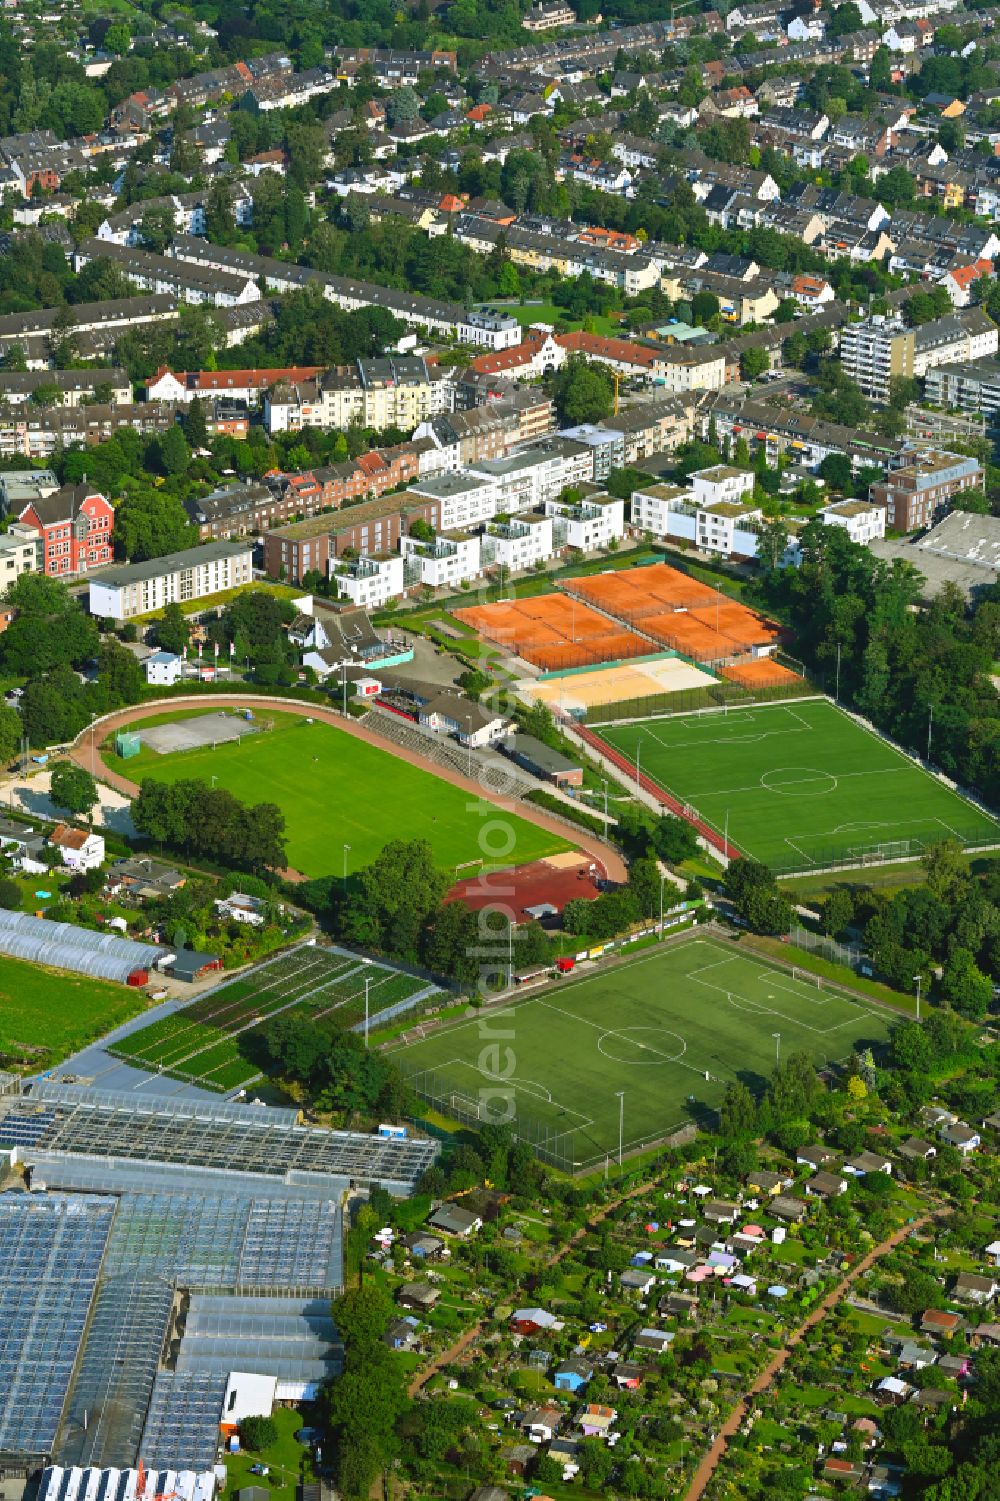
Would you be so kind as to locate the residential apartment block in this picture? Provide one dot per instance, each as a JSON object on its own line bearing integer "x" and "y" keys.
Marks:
{"x": 971, "y": 386}
{"x": 969, "y": 334}
{"x": 397, "y": 391}
{"x": 876, "y": 352}
{"x": 713, "y": 513}
{"x": 521, "y": 541}
{"x": 445, "y": 562}
{"x": 922, "y": 484}
{"x": 20, "y": 552}
{"x": 370, "y": 581}
{"x": 593, "y": 522}
{"x": 137, "y": 588}
{"x": 863, "y": 522}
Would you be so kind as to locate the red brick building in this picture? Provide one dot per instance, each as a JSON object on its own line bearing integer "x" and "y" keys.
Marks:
{"x": 76, "y": 524}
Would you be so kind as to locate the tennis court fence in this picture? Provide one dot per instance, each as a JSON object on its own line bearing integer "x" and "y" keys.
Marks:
{"x": 717, "y": 695}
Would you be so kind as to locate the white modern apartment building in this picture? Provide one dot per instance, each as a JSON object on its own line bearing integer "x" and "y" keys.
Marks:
{"x": 720, "y": 483}
{"x": 653, "y": 507}
{"x": 137, "y": 588}
{"x": 369, "y": 582}
{"x": 449, "y": 560}
{"x": 519, "y": 542}
{"x": 464, "y": 498}
{"x": 594, "y": 522}
{"x": 491, "y": 328}
{"x": 527, "y": 479}
{"x": 725, "y": 527}
{"x": 862, "y": 522}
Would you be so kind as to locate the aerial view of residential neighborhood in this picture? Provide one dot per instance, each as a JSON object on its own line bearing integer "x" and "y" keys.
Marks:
{"x": 499, "y": 750}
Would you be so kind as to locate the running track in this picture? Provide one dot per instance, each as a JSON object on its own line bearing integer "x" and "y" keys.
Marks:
{"x": 87, "y": 746}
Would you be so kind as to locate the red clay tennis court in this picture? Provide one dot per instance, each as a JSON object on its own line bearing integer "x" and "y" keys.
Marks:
{"x": 741, "y": 627}
{"x": 560, "y": 630}
{"x": 553, "y": 631}
{"x": 643, "y": 591}
{"x": 552, "y": 882}
{"x": 762, "y": 673}
{"x": 687, "y": 634}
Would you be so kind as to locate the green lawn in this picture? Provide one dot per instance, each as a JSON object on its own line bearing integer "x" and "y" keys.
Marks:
{"x": 670, "y": 1028}
{"x": 800, "y": 786}
{"x": 208, "y": 602}
{"x": 288, "y": 1462}
{"x": 46, "y": 1014}
{"x": 336, "y": 790}
{"x": 528, "y": 313}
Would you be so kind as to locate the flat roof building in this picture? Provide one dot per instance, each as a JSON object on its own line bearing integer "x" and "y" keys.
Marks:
{"x": 180, "y": 578}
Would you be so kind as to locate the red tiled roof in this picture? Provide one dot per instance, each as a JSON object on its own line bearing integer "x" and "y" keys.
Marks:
{"x": 232, "y": 380}
{"x": 942, "y": 1320}
{"x": 371, "y": 463}
{"x": 67, "y": 838}
{"x": 508, "y": 359}
{"x": 964, "y": 276}
{"x": 621, "y": 351}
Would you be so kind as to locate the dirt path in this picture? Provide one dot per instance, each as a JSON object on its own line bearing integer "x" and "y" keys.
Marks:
{"x": 595, "y": 1219}
{"x": 87, "y": 747}
{"x": 710, "y": 1460}
{"x": 445, "y": 1358}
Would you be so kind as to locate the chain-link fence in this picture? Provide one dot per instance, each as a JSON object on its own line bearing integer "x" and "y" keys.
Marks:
{"x": 571, "y": 1150}
{"x": 717, "y": 695}
{"x": 852, "y": 955}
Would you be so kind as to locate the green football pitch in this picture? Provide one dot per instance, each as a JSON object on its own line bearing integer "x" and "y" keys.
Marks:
{"x": 335, "y": 789}
{"x": 800, "y": 786}
{"x": 669, "y": 1030}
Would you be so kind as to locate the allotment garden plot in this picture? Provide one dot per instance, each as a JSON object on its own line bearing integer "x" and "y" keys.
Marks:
{"x": 216, "y": 1041}
{"x": 669, "y": 1030}
{"x": 799, "y": 786}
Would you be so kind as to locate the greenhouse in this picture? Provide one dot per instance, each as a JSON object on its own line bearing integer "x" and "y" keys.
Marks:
{"x": 223, "y": 1138}
{"x": 182, "y": 1428}
{"x": 103, "y": 956}
{"x": 53, "y": 1246}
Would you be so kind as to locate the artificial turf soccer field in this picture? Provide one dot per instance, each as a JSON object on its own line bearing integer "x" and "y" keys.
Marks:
{"x": 803, "y": 784}
{"x": 652, "y": 1027}
{"x": 335, "y": 789}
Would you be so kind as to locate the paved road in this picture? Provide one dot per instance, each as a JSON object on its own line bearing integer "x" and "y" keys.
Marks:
{"x": 711, "y": 1459}
{"x": 87, "y": 747}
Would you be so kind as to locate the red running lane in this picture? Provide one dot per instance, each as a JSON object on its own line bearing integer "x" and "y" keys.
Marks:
{"x": 667, "y": 799}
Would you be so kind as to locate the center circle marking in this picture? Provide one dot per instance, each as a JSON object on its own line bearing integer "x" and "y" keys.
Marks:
{"x": 656, "y": 1039}
{"x": 798, "y": 781}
